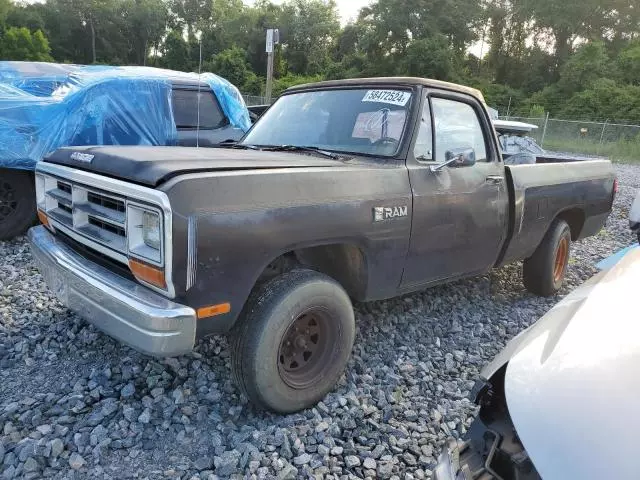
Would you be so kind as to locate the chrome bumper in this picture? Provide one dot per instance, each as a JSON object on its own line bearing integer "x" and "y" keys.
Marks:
{"x": 120, "y": 307}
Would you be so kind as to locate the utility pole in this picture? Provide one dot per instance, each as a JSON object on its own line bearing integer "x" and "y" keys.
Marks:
{"x": 273, "y": 39}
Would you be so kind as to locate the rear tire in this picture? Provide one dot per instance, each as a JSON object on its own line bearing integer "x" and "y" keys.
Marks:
{"x": 17, "y": 202}
{"x": 544, "y": 272}
{"x": 293, "y": 341}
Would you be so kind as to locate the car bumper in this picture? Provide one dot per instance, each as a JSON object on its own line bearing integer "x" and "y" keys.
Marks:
{"x": 116, "y": 305}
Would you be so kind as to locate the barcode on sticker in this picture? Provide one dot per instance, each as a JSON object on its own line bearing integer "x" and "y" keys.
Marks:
{"x": 393, "y": 97}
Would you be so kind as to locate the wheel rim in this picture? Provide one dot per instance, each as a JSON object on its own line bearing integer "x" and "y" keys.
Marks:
{"x": 562, "y": 253}
{"x": 8, "y": 201}
{"x": 306, "y": 348}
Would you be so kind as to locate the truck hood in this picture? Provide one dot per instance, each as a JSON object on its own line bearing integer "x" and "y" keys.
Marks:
{"x": 573, "y": 380}
{"x": 152, "y": 166}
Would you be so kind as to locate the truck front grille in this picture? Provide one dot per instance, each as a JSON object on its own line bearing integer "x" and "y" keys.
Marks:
{"x": 90, "y": 212}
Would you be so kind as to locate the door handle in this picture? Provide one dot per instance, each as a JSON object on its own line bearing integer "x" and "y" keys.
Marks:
{"x": 494, "y": 179}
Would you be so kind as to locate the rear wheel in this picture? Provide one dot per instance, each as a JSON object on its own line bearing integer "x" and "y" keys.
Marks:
{"x": 544, "y": 272}
{"x": 293, "y": 342}
{"x": 17, "y": 202}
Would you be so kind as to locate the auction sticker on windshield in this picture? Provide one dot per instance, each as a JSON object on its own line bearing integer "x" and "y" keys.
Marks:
{"x": 392, "y": 97}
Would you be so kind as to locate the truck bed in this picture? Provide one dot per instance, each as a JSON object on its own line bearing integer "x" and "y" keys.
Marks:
{"x": 579, "y": 192}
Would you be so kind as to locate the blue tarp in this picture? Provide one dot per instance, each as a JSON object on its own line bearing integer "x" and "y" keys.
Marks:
{"x": 44, "y": 106}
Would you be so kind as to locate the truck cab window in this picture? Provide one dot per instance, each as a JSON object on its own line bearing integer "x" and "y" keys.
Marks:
{"x": 423, "y": 149}
{"x": 457, "y": 126}
{"x": 185, "y": 110}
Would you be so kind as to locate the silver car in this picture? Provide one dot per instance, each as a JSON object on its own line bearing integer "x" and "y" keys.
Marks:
{"x": 561, "y": 400}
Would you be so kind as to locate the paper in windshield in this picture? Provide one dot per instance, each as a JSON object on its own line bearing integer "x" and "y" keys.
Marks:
{"x": 391, "y": 97}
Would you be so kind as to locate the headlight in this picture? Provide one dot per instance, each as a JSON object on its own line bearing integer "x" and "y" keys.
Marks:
{"x": 151, "y": 230}
{"x": 144, "y": 233}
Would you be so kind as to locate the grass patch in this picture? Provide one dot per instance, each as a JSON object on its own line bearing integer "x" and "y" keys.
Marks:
{"x": 627, "y": 151}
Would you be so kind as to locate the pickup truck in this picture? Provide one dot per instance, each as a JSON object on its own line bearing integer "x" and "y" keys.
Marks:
{"x": 352, "y": 190}
{"x": 45, "y": 106}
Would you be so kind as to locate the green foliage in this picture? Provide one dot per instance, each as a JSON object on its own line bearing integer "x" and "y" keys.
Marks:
{"x": 628, "y": 64}
{"x": 176, "y": 52}
{"x": 281, "y": 84}
{"x": 428, "y": 57}
{"x": 575, "y": 58}
{"x": 21, "y": 44}
{"x": 587, "y": 65}
{"x": 605, "y": 99}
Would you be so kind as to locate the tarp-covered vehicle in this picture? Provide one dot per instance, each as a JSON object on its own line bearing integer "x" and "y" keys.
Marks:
{"x": 45, "y": 106}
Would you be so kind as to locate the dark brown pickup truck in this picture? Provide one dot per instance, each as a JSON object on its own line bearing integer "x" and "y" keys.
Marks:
{"x": 350, "y": 190}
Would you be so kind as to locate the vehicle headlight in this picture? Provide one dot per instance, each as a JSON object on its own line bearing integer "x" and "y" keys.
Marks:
{"x": 151, "y": 230}
{"x": 144, "y": 233}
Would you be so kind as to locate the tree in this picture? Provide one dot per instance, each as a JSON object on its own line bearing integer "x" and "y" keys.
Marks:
{"x": 308, "y": 29}
{"x": 628, "y": 63}
{"x": 589, "y": 63}
{"x": 429, "y": 57}
{"x": 232, "y": 65}
{"x": 21, "y": 44}
{"x": 146, "y": 26}
{"x": 176, "y": 52}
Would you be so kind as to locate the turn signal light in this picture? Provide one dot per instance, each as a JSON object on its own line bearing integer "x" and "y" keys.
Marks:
{"x": 44, "y": 220}
{"x": 214, "y": 310}
{"x": 152, "y": 275}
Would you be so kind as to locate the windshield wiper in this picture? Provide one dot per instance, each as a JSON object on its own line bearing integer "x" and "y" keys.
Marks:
{"x": 234, "y": 144}
{"x": 299, "y": 148}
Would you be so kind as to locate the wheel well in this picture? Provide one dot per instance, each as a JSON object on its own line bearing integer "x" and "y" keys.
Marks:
{"x": 575, "y": 219}
{"x": 344, "y": 262}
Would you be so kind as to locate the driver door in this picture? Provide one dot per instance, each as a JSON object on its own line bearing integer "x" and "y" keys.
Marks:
{"x": 459, "y": 214}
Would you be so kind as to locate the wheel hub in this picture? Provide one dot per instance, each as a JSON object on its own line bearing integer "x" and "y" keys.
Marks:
{"x": 562, "y": 253}
{"x": 305, "y": 348}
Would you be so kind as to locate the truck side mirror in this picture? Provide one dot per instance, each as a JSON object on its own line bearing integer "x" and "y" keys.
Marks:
{"x": 458, "y": 158}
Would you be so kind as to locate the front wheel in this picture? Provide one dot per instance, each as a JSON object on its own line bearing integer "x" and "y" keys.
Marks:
{"x": 17, "y": 202}
{"x": 293, "y": 341}
{"x": 544, "y": 272}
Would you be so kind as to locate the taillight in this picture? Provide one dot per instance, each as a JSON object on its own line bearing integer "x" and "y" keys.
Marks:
{"x": 615, "y": 186}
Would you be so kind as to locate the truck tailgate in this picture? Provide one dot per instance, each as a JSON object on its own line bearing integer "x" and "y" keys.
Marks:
{"x": 579, "y": 192}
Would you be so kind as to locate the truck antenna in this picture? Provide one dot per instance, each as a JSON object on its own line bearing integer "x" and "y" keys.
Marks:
{"x": 199, "y": 92}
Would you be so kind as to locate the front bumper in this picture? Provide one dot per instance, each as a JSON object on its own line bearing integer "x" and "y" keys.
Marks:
{"x": 120, "y": 307}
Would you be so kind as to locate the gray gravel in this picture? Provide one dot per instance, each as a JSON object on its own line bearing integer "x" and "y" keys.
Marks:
{"x": 76, "y": 404}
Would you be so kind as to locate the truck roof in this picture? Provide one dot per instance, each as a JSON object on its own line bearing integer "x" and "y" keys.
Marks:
{"x": 386, "y": 81}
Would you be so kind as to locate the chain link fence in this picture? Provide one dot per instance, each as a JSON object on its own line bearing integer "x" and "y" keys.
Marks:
{"x": 252, "y": 100}
{"x": 616, "y": 141}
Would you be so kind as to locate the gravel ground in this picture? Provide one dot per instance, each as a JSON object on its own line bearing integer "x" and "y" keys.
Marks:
{"x": 76, "y": 404}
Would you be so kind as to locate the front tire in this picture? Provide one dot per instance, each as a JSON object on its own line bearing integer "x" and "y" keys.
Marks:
{"x": 544, "y": 272}
{"x": 17, "y": 202}
{"x": 293, "y": 341}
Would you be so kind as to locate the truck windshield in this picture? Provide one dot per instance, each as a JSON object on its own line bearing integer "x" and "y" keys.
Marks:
{"x": 358, "y": 121}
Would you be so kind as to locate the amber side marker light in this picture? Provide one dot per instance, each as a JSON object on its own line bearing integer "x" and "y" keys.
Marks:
{"x": 214, "y": 310}
{"x": 147, "y": 273}
{"x": 44, "y": 220}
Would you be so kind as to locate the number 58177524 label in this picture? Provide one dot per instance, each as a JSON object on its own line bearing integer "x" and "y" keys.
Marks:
{"x": 393, "y": 97}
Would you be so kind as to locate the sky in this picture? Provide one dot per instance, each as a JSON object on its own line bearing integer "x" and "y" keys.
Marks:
{"x": 348, "y": 8}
